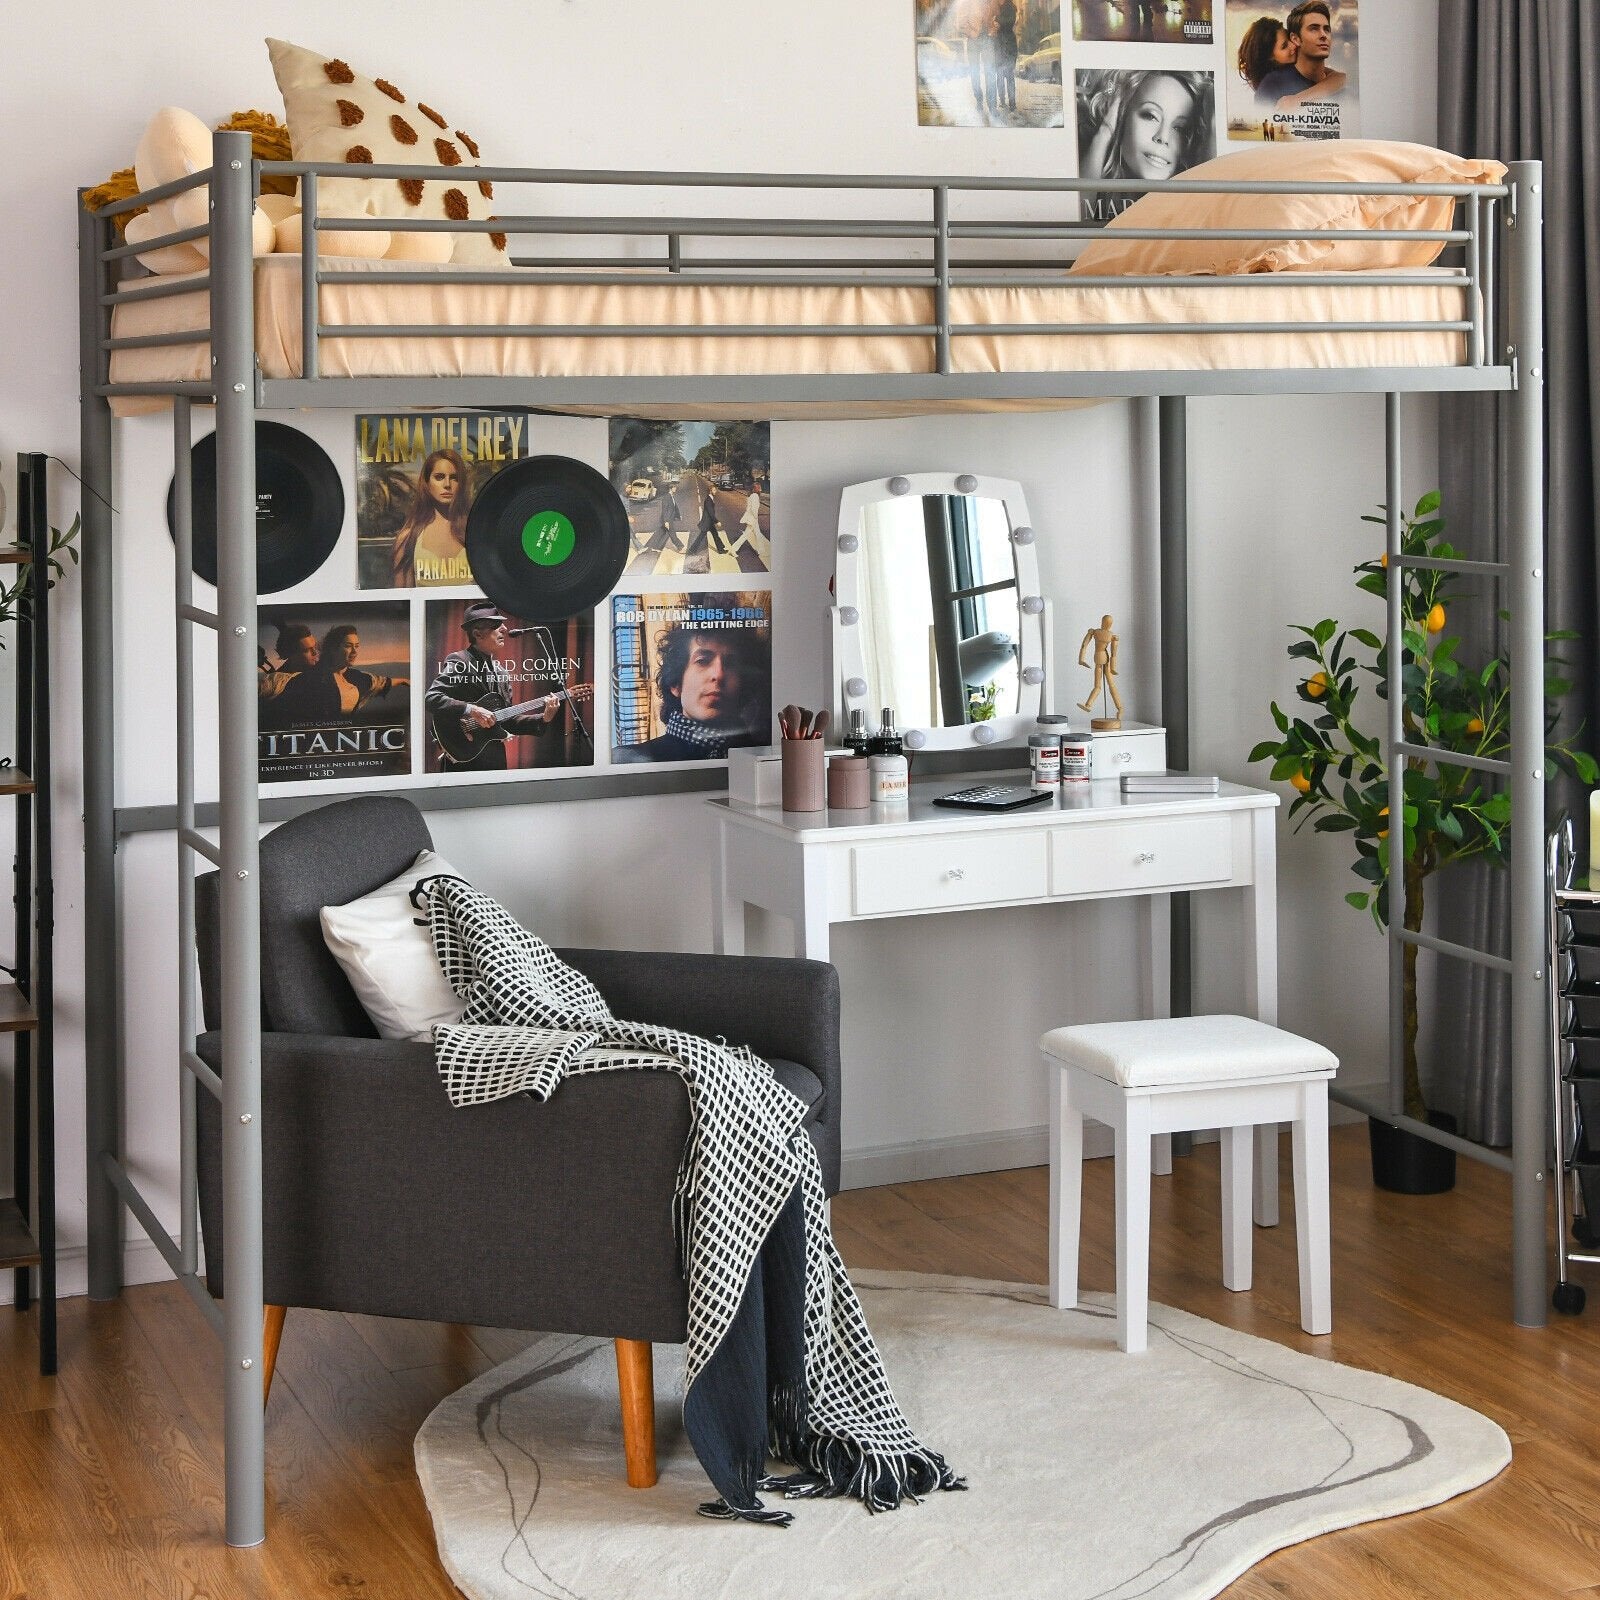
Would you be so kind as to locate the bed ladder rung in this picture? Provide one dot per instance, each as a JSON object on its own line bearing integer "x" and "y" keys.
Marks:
{"x": 201, "y": 845}
{"x": 1448, "y": 947}
{"x": 203, "y": 1074}
{"x": 206, "y": 619}
{"x": 1451, "y": 758}
{"x": 1465, "y": 568}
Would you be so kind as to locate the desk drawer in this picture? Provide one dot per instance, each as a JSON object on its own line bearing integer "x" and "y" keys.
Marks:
{"x": 933, "y": 874}
{"x": 1140, "y": 853}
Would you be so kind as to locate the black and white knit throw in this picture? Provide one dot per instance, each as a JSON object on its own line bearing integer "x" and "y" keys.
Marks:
{"x": 779, "y": 1361}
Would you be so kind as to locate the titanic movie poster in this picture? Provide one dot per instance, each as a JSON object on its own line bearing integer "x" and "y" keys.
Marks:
{"x": 698, "y": 494}
{"x": 417, "y": 475}
{"x": 989, "y": 63}
{"x": 334, "y": 687}
{"x": 1143, "y": 21}
{"x": 502, "y": 694}
{"x": 1141, "y": 123}
{"x": 1292, "y": 70}
{"x": 691, "y": 675}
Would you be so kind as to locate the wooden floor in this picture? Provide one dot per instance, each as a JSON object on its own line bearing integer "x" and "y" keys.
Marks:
{"x": 111, "y": 1475}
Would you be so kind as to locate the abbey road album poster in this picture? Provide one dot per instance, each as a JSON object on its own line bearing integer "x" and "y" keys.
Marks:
{"x": 333, "y": 690}
{"x": 417, "y": 474}
{"x": 698, "y": 494}
{"x": 989, "y": 63}
{"x": 501, "y": 694}
{"x": 1293, "y": 85}
{"x": 691, "y": 675}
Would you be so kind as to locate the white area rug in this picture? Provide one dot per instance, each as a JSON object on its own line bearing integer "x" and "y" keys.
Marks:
{"x": 1093, "y": 1475}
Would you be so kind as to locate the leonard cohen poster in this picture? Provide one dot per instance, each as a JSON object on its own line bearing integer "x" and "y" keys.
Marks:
{"x": 698, "y": 494}
{"x": 334, "y": 690}
{"x": 506, "y": 695}
{"x": 1292, "y": 71}
{"x": 417, "y": 475}
{"x": 691, "y": 675}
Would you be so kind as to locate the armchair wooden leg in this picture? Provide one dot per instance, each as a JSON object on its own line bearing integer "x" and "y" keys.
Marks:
{"x": 271, "y": 1338}
{"x": 636, "y": 1381}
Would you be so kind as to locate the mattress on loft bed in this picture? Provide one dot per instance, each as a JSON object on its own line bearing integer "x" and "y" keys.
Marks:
{"x": 1437, "y": 295}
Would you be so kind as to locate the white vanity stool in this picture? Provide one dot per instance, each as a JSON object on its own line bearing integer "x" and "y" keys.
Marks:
{"x": 1174, "y": 1075}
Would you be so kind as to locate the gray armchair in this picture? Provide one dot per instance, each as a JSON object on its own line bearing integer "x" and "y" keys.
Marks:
{"x": 380, "y": 1197}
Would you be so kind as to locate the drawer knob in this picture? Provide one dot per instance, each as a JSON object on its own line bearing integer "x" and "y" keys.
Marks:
{"x": 955, "y": 874}
{"x": 1123, "y": 755}
{"x": 1145, "y": 857}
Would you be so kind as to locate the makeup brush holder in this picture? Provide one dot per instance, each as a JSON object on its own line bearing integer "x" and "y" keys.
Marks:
{"x": 804, "y": 787}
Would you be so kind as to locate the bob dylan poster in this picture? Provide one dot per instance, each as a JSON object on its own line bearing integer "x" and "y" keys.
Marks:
{"x": 989, "y": 63}
{"x": 699, "y": 495}
{"x": 334, "y": 687}
{"x": 691, "y": 675}
{"x": 1292, "y": 71}
{"x": 1141, "y": 123}
{"x": 1142, "y": 21}
{"x": 503, "y": 694}
{"x": 417, "y": 475}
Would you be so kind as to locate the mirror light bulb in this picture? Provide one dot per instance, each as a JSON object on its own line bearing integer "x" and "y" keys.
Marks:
{"x": 849, "y": 543}
{"x": 1022, "y": 535}
{"x": 966, "y": 484}
{"x": 1033, "y": 674}
{"x": 899, "y": 485}
{"x": 856, "y": 688}
{"x": 913, "y": 738}
{"x": 849, "y": 616}
{"x": 983, "y": 733}
{"x": 1033, "y": 604}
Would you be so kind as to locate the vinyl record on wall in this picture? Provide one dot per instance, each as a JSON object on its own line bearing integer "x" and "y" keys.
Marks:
{"x": 299, "y": 507}
{"x": 548, "y": 538}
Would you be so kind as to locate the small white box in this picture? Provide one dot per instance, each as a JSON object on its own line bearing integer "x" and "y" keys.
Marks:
{"x": 1134, "y": 747}
{"x": 755, "y": 774}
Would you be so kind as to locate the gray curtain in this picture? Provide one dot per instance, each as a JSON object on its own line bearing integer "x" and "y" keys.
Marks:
{"x": 1520, "y": 80}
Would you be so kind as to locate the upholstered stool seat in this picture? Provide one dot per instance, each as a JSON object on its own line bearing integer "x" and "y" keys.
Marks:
{"x": 1178, "y": 1074}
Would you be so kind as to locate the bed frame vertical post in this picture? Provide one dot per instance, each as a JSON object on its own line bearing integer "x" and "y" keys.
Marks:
{"x": 102, "y": 1026}
{"x": 233, "y": 347}
{"x": 1173, "y": 416}
{"x": 1530, "y": 1110}
{"x": 183, "y": 598}
{"x": 1395, "y": 733}
{"x": 941, "y": 274}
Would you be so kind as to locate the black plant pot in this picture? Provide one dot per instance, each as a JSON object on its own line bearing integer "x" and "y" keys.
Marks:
{"x": 1405, "y": 1163}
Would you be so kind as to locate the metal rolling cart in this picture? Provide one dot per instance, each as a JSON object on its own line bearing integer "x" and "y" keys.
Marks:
{"x": 1574, "y": 988}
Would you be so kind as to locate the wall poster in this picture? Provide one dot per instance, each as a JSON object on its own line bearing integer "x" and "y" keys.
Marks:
{"x": 691, "y": 675}
{"x": 1141, "y": 123}
{"x": 698, "y": 495}
{"x": 334, "y": 690}
{"x": 989, "y": 63}
{"x": 1293, "y": 70}
{"x": 503, "y": 694}
{"x": 417, "y": 474}
{"x": 1142, "y": 21}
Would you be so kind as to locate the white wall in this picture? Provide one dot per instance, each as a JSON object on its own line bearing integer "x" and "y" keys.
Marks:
{"x": 713, "y": 84}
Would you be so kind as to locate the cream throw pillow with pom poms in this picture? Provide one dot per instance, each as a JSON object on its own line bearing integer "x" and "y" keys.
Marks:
{"x": 335, "y": 114}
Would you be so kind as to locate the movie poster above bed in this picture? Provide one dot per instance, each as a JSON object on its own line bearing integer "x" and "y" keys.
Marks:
{"x": 1299, "y": 84}
{"x": 334, "y": 690}
{"x": 691, "y": 675}
{"x": 698, "y": 495}
{"x": 417, "y": 475}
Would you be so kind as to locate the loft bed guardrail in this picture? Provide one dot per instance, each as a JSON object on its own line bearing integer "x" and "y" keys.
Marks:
{"x": 1498, "y": 346}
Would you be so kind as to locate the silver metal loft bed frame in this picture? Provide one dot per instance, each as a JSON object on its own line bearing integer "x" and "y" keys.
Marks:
{"x": 1498, "y": 233}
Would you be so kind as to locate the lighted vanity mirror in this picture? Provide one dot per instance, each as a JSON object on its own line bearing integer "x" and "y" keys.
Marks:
{"x": 937, "y": 609}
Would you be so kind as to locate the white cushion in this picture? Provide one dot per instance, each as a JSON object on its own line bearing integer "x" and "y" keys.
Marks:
{"x": 383, "y": 944}
{"x": 1180, "y": 1050}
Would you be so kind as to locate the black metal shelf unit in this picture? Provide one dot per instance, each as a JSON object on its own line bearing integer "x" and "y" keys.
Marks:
{"x": 28, "y": 1219}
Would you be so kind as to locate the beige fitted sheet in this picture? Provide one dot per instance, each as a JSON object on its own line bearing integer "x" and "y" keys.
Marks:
{"x": 1435, "y": 296}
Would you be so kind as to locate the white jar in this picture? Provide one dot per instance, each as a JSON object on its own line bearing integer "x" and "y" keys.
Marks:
{"x": 1044, "y": 760}
{"x": 891, "y": 779}
{"x": 1076, "y": 757}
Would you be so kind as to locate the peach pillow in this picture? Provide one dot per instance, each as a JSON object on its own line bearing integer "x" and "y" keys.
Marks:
{"x": 1325, "y": 161}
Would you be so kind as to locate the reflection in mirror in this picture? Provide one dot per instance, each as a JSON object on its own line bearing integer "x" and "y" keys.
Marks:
{"x": 939, "y": 603}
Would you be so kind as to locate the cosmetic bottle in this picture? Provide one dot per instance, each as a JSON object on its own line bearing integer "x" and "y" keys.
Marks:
{"x": 886, "y": 741}
{"x": 857, "y": 740}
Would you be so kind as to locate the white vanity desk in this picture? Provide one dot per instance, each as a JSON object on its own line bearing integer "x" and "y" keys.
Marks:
{"x": 819, "y": 868}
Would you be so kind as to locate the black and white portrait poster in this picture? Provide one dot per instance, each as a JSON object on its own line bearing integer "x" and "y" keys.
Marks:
{"x": 1142, "y": 21}
{"x": 503, "y": 694}
{"x": 989, "y": 63}
{"x": 691, "y": 675}
{"x": 1292, "y": 70}
{"x": 1150, "y": 123}
{"x": 334, "y": 690}
{"x": 699, "y": 495}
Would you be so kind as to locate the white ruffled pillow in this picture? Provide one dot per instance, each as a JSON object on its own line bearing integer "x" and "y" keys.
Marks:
{"x": 383, "y": 944}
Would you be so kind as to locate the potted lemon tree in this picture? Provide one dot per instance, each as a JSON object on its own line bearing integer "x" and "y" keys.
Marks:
{"x": 1453, "y": 813}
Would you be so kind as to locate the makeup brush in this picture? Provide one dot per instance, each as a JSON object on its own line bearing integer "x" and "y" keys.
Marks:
{"x": 820, "y": 726}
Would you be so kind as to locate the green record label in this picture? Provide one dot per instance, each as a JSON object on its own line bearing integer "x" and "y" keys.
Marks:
{"x": 548, "y": 538}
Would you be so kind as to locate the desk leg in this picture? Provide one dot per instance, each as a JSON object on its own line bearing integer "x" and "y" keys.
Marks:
{"x": 810, "y": 916}
{"x": 727, "y": 909}
{"x": 1155, "y": 990}
{"x": 1261, "y": 987}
